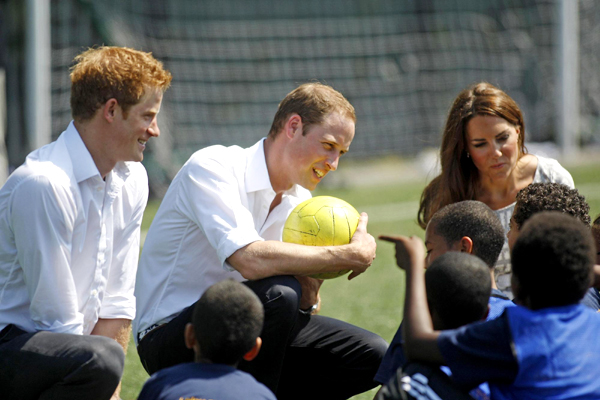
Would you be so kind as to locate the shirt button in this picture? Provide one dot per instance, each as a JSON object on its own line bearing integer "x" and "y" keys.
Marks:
{"x": 94, "y": 293}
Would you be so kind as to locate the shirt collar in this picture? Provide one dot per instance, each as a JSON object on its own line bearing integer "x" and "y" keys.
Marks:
{"x": 257, "y": 174}
{"x": 84, "y": 166}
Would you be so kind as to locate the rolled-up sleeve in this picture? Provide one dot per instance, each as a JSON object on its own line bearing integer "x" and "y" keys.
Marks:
{"x": 211, "y": 198}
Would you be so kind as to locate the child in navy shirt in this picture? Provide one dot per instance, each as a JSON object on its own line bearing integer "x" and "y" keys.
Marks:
{"x": 545, "y": 348}
{"x": 225, "y": 329}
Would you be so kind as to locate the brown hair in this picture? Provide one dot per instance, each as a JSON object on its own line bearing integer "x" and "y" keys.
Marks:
{"x": 312, "y": 102}
{"x": 103, "y": 73}
{"x": 458, "y": 179}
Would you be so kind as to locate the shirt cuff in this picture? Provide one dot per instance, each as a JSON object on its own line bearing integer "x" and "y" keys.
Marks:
{"x": 232, "y": 242}
{"x": 117, "y": 307}
{"x": 74, "y": 327}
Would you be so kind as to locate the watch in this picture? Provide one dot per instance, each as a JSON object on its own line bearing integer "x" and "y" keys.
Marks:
{"x": 309, "y": 310}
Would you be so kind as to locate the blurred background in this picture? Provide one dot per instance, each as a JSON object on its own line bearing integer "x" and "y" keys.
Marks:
{"x": 399, "y": 62}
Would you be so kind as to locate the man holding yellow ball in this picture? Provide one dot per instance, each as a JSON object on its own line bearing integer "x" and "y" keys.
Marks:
{"x": 222, "y": 218}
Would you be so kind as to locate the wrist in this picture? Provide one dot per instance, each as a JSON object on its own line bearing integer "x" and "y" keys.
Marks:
{"x": 310, "y": 310}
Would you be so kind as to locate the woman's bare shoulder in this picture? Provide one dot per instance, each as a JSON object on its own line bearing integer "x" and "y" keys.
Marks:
{"x": 526, "y": 167}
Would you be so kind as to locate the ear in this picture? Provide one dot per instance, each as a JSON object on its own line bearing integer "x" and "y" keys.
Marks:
{"x": 249, "y": 356}
{"x": 486, "y": 313}
{"x": 190, "y": 336}
{"x": 466, "y": 245}
{"x": 520, "y": 297}
{"x": 109, "y": 110}
{"x": 293, "y": 126}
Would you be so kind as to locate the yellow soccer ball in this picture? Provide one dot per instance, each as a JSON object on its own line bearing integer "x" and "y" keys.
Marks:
{"x": 322, "y": 221}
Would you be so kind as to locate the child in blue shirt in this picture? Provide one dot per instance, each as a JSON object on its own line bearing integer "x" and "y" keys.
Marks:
{"x": 225, "y": 329}
{"x": 458, "y": 290}
{"x": 469, "y": 227}
{"x": 545, "y": 348}
{"x": 539, "y": 197}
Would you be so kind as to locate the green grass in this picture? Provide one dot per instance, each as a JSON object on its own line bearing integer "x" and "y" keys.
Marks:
{"x": 374, "y": 299}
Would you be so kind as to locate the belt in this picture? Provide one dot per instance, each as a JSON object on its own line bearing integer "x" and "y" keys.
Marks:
{"x": 146, "y": 331}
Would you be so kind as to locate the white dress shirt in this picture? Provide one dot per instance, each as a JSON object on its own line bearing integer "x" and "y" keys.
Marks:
{"x": 69, "y": 240}
{"x": 218, "y": 203}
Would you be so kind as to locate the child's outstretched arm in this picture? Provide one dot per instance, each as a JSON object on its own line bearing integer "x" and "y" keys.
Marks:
{"x": 420, "y": 340}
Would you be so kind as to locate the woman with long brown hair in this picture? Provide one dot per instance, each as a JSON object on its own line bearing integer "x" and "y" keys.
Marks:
{"x": 483, "y": 157}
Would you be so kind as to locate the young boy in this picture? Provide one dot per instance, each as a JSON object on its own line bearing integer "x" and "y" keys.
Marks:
{"x": 545, "y": 348}
{"x": 458, "y": 289}
{"x": 467, "y": 226}
{"x": 471, "y": 227}
{"x": 225, "y": 329}
{"x": 539, "y": 197}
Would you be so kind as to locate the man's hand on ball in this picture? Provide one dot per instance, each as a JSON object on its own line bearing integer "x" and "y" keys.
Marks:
{"x": 365, "y": 245}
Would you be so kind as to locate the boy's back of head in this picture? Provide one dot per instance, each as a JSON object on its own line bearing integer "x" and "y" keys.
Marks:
{"x": 475, "y": 220}
{"x": 227, "y": 320}
{"x": 458, "y": 288}
{"x": 539, "y": 197}
{"x": 552, "y": 260}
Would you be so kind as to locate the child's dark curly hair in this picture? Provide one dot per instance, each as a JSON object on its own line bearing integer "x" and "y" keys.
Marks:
{"x": 539, "y": 197}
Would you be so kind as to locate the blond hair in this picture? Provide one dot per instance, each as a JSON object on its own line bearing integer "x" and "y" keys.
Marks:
{"x": 106, "y": 72}
{"x": 312, "y": 102}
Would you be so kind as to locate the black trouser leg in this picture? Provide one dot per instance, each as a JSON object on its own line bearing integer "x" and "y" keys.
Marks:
{"x": 46, "y": 365}
{"x": 330, "y": 359}
{"x": 280, "y": 297}
{"x": 165, "y": 346}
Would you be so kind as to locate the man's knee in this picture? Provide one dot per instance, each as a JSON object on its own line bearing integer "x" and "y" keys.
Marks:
{"x": 278, "y": 292}
{"x": 106, "y": 360}
{"x": 379, "y": 346}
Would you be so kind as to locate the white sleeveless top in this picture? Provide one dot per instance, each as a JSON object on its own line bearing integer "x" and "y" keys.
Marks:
{"x": 548, "y": 170}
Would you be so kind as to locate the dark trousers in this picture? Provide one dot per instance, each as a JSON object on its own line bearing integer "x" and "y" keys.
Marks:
{"x": 302, "y": 356}
{"x": 46, "y": 365}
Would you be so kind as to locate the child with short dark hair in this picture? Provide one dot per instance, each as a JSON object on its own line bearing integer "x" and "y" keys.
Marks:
{"x": 539, "y": 197}
{"x": 458, "y": 289}
{"x": 469, "y": 227}
{"x": 547, "y": 347}
{"x": 225, "y": 329}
